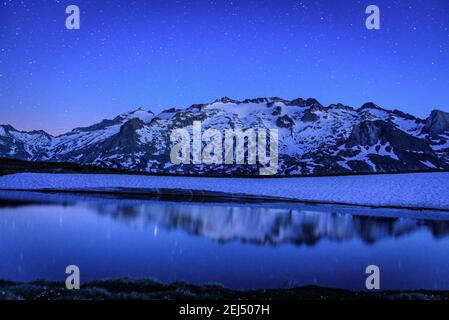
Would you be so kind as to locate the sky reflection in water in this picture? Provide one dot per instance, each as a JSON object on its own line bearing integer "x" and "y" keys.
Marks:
{"x": 241, "y": 246}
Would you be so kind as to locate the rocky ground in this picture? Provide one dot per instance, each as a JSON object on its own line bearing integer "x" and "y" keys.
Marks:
{"x": 148, "y": 289}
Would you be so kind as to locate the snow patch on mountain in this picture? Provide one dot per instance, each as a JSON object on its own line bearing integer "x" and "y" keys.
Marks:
{"x": 313, "y": 139}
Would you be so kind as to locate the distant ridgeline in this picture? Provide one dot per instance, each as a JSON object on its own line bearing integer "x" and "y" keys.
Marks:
{"x": 313, "y": 139}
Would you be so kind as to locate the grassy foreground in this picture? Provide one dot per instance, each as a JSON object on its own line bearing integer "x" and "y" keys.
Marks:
{"x": 148, "y": 289}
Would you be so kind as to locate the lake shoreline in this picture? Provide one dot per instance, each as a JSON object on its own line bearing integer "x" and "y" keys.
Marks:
{"x": 209, "y": 196}
{"x": 149, "y": 289}
{"x": 411, "y": 191}
{"x": 190, "y": 195}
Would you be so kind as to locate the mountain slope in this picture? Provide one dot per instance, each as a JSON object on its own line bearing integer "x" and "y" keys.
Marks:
{"x": 313, "y": 139}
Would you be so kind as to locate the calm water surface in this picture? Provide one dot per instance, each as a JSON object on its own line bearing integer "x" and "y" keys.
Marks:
{"x": 241, "y": 246}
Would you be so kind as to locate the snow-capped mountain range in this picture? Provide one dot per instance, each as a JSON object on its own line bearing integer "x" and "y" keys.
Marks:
{"x": 313, "y": 139}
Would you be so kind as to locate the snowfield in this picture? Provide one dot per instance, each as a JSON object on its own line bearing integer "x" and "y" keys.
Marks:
{"x": 416, "y": 190}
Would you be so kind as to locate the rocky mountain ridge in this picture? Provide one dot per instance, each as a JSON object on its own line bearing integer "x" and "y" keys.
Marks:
{"x": 313, "y": 139}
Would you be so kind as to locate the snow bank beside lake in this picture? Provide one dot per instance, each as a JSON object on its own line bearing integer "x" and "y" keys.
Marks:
{"x": 415, "y": 190}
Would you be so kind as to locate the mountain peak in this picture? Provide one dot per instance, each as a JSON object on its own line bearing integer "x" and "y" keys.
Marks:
{"x": 140, "y": 113}
{"x": 439, "y": 113}
{"x": 340, "y": 106}
{"x": 370, "y": 105}
{"x": 296, "y": 102}
{"x": 41, "y": 132}
{"x": 313, "y": 139}
{"x": 437, "y": 122}
{"x": 312, "y": 101}
{"x": 8, "y": 127}
{"x": 225, "y": 99}
{"x": 137, "y": 110}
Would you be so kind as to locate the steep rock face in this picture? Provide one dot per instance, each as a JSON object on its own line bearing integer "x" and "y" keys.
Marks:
{"x": 389, "y": 149}
{"x": 313, "y": 139}
{"x": 82, "y": 144}
{"x": 437, "y": 123}
{"x": 366, "y": 133}
{"x": 370, "y": 133}
{"x": 285, "y": 122}
{"x": 31, "y": 145}
{"x": 309, "y": 116}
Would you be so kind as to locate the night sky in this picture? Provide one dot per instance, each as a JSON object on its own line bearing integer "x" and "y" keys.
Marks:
{"x": 161, "y": 54}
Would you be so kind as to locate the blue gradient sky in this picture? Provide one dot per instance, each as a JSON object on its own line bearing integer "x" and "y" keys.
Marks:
{"x": 159, "y": 54}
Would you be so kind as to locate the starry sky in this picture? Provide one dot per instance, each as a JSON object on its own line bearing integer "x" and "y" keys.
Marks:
{"x": 159, "y": 54}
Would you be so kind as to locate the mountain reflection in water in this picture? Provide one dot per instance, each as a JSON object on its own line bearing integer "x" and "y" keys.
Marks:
{"x": 262, "y": 224}
{"x": 269, "y": 226}
{"x": 239, "y": 245}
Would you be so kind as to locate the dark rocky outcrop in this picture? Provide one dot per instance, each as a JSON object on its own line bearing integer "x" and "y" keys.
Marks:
{"x": 285, "y": 122}
{"x": 313, "y": 139}
{"x": 309, "y": 116}
{"x": 437, "y": 123}
{"x": 370, "y": 133}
